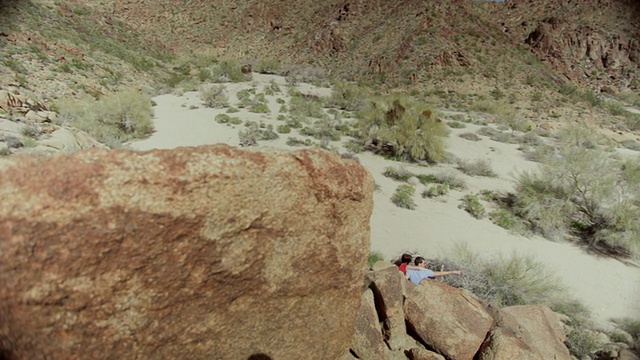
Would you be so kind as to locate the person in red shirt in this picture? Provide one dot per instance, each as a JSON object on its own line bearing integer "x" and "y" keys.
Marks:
{"x": 403, "y": 262}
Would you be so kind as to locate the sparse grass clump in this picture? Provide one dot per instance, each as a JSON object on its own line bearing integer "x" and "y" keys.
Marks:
{"x": 283, "y": 129}
{"x": 397, "y": 173}
{"x": 214, "y": 96}
{"x": 456, "y": 125}
{"x": 403, "y": 197}
{"x": 480, "y": 167}
{"x": 306, "y": 106}
{"x": 470, "y": 136}
{"x": 374, "y": 257}
{"x": 292, "y": 141}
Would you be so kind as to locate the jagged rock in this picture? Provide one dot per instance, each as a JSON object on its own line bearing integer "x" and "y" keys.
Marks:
{"x": 9, "y": 100}
{"x": 451, "y": 321}
{"x": 424, "y": 354}
{"x": 368, "y": 343}
{"x": 191, "y": 253}
{"x": 381, "y": 265}
{"x": 387, "y": 285}
{"x": 529, "y": 332}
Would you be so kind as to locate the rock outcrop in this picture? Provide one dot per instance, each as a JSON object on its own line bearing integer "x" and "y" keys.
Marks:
{"x": 448, "y": 323}
{"x": 192, "y": 253}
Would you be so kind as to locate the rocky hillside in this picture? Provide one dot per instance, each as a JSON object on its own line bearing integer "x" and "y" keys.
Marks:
{"x": 407, "y": 42}
{"x": 93, "y": 47}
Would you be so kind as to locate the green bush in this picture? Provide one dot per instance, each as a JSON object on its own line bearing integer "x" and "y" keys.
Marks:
{"x": 471, "y": 204}
{"x": 232, "y": 109}
{"x": 407, "y": 129}
{"x": 582, "y": 342}
{"x": 292, "y": 141}
{"x": 451, "y": 178}
{"x": 260, "y": 108}
{"x": 306, "y": 106}
{"x": 456, "y": 125}
{"x": 113, "y": 119}
{"x": 283, "y": 129}
{"x": 223, "y": 118}
{"x": 228, "y": 70}
{"x": 426, "y": 178}
{"x": 347, "y": 97}
{"x": 403, "y": 197}
{"x": 506, "y": 220}
{"x": 268, "y": 66}
{"x": 374, "y": 257}
{"x": 214, "y": 96}
{"x": 436, "y": 190}
{"x": 480, "y": 167}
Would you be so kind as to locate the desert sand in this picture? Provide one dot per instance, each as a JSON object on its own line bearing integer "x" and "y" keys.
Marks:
{"x": 609, "y": 287}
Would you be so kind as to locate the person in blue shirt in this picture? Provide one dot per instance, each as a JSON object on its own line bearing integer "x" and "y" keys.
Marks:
{"x": 417, "y": 275}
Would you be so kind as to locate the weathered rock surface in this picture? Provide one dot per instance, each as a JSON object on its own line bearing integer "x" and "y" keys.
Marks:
{"x": 387, "y": 285}
{"x": 525, "y": 332}
{"x": 451, "y": 321}
{"x": 424, "y": 354}
{"x": 191, "y": 253}
{"x": 367, "y": 340}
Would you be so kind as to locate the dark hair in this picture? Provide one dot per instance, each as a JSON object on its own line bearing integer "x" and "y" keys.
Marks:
{"x": 404, "y": 259}
{"x": 418, "y": 260}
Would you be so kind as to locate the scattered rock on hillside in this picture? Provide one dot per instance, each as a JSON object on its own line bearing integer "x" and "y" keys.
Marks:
{"x": 186, "y": 253}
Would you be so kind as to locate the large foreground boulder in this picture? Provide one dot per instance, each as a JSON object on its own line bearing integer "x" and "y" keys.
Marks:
{"x": 193, "y": 253}
{"x": 451, "y": 321}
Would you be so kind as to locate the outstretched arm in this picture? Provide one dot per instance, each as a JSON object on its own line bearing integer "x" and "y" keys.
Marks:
{"x": 445, "y": 273}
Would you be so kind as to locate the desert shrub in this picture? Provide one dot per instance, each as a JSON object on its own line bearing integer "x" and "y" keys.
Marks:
{"x": 426, "y": 178}
{"x": 537, "y": 153}
{"x": 456, "y": 125}
{"x": 436, "y": 190}
{"x": 470, "y": 136}
{"x": 505, "y": 137}
{"x": 249, "y": 136}
{"x": 629, "y": 325}
{"x": 506, "y": 220}
{"x": 354, "y": 146}
{"x": 471, "y": 204}
{"x": 615, "y": 108}
{"x": 511, "y": 280}
{"x": 274, "y": 87}
{"x": 488, "y": 131}
{"x": 12, "y": 141}
{"x": 510, "y": 117}
{"x": 326, "y": 129}
{"x": 567, "y": 89}
{"x": 582, "y": 192}
{"x": 30, "y": 131}
{"x": 113, "y": 119}
{"x": 232, "y": 109}
{"x": 485, "y": 106}
{"x": 451, "y": 178}
{"x": 260, "y": 108}
{"x": 349, "y": 97}
{"x": 267, "y": 133}
{"x": 235, "y": 120}
{"x": 228, "y": 71}
{"x": 292, "y": 141}
{"x": 5, "y": 151}
{"x": 582, "y": 342}
{"x": 268, "y": 66}
{"x": 306, "y": 106}
{"x": 374, "y": 257}
{"x": 214, "y": 96}
{"x": 397, "y": 173}
{"x": 480, "y": 167}
{"x": 632, "y": 121}
{"x": 280, "y": 101}
{"x": 400, "y": 126}
{"x": 403, "y": 197}
{"x": 223, "y": 118}
{"x": 294, "y": 123}
{"x": 283, "y": 129}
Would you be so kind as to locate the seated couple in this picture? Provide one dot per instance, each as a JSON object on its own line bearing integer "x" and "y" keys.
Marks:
{"x": 418, "y": 272}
